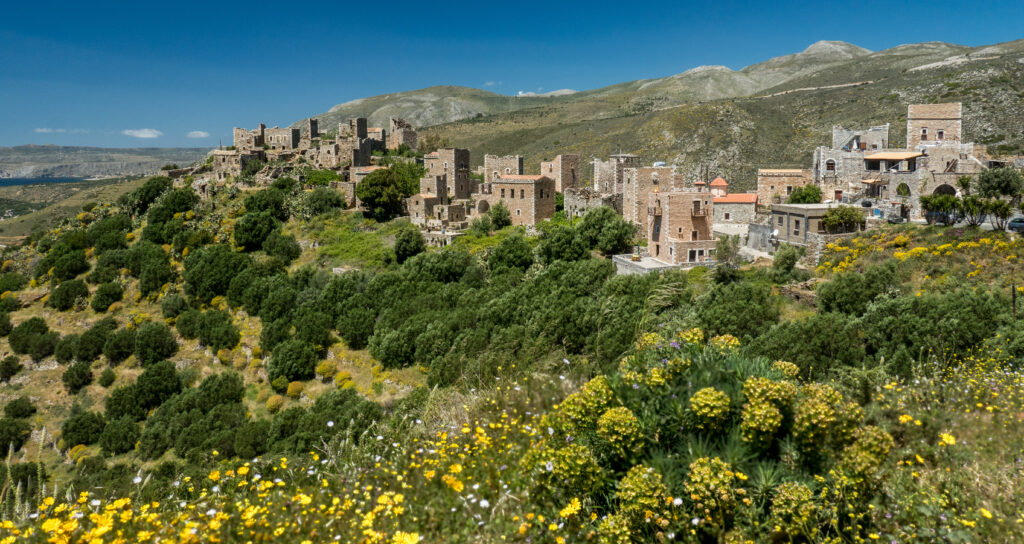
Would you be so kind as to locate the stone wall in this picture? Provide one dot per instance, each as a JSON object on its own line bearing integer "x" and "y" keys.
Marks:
{"x": 735, "y": 212}
{"x": 564, "y": 169}
{"x": 245, "y": 139}
{"x": 679, "y": 226}
{"x": 577, "y": 202}
{"x": 529, "y": 199}
{"x": 608, "y": 174}
{"x": 636, "y": 183}
{"x": 874, "y": 138}
{"x": 775, "y": 185}
{"x": 400, "y": 133}
{"x": 283, "y": 138}
{"x": 928, "y": 123}
{"x": 496, "y": 166}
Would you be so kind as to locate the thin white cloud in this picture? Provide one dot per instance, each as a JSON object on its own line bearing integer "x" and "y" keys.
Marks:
{"x": 142, "y": 133}
{"x": 492, "y": 84}
{"x": 198, "y": 134}
{"x": 50, "y": 130}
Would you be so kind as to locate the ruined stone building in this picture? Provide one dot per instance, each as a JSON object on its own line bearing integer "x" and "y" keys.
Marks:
{"x": 679, "y": 226}
{"x": 774, "y": 185}
{"x": 608, "y": 174}
{"x": 283, "y": 138}
{"x": 529, "y": 199}
{"x": 453, "y": 163}
{"x": 577, "y": 202}
{"x": 431, "y": 208}
{"x": 229, "y": 163}
{"x": 494, "y": 166}
{"x": 379, "y": 136}
{"x": 246, "y": 140}
{"x": 637, "y": 182}
{"x": 402, "y": 133}
{"x": 564, "y": 169}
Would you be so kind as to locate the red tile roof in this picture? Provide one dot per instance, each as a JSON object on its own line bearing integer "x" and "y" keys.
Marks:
{"x": 719, "y": 182}
{"x": 737, "y": 198}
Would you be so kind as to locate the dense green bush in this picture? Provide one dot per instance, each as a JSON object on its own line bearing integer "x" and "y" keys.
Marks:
{"x": 10, "y": 366}
{"x": 124, "y": 402}
{"x": 107, "y": 294}
{"x": 66, "y": 294}
{"x": 154, "y": 342}
{"x": 119, "y": 436}
{"x": 81, "y": 427}
{"x": 294, "y": 360}
{"x": 408, "y": 242}
{"x": 19, "y": 408}
{"x": 138, "y": 201}
{"x": 173, "y": 305}
{"x": 282, "y": 246}
{"x": 253, "y": 229}
{"x": 382, "y": 193}
{"x": 513, "y": 252}
{"x": 119, "y": 345}
{"x": 5, "y": 324}
{"x": 742, "y": 309}
{"x": 499, "y": 216}
{"x": 64, "y": 351}
{"x": 217, "y": 331}
{"x": 210, "y": 269}
{"x": 606, "y": 231}
{"x": 12, "y": 281}
{"x": 13, "y": 433}
{"x": 156, "y": 384}
{"x": 561, "y": 243}
{"x": 270, "y": 201}
{"x": 189, "y": 323}
{"x": 107, "y": 377}
{"x": 322, "y": 200}
{"x": 77, "y": 376}
{"x": 90, "y": 345}
{"x": 29, "y": 334}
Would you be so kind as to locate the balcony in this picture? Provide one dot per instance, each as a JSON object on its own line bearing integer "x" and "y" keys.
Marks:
{"x": 699, "y": 212}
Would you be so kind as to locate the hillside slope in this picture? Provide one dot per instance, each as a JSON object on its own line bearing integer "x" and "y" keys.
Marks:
{"x": 52, "y": 161}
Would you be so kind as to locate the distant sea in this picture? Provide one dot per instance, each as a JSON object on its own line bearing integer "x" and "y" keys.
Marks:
{"x": 7, "y": 182}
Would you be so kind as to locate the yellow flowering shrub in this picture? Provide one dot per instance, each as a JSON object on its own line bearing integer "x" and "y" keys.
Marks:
{"x": 343, "y": 379}
{"x": 869, "y": 449}
{"x": 614, "y": 529}
{"x": 568, "y": 471}
{"x": 622, "y": 431}
{"x": 725, "y": 343}
{"x": 581, "y": 410}
{"x": 710, "y": 487}
{"x": 326, "y": 369}
{"x": 793, "y": 508}
{"x": 294, "y": 390}
{"x": 710, "y": 408}
{"x": 787, "y": 369}
{"x": 760, "y": 422}
{"x": 274, "y": 403}
{"x": 643, "y": 496}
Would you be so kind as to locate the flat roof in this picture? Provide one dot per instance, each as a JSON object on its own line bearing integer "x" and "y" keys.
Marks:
{"x": 894, "y": 155}
{"x": 780, "y": 171}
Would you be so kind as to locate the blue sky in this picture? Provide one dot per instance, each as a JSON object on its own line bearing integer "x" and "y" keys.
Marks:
{"x": 147, "y": 74}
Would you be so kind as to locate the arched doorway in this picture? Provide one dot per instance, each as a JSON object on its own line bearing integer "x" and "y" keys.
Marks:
{"x": 482, "y": 207}
{"x": 903, "y": 189}
{"x": 944, "y": 189}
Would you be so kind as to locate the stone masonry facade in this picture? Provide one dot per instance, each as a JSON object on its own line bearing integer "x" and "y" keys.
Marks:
{"x": 564, "y": 169}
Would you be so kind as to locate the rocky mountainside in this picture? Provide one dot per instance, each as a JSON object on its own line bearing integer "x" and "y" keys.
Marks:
{"x": 731, "y": 122}
{"x": 51, "y": 161}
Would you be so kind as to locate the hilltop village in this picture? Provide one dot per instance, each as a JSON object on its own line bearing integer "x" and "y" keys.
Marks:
{"x": 679, "y": 219}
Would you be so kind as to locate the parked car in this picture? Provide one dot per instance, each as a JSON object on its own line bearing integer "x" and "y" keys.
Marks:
{"x": 1016, "y": 224}
{"x": 865, "y": 203}
{"x": 895, "y": 219}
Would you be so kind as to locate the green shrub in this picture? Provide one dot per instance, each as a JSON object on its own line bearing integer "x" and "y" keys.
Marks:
{"x": 12, "y": 281}
{"x": 282, "y": 246}
{"x": 43, "y": 346}
{"x": 10, "y": 366}
{"x": 19, "y": 408}
{"x": 5, "y": 324}
{"x": 322, "y": 200}
{"x": 119, "y": 345}
{"x": 107, "y": 294}
{"x": 82, "y": 428}
{"x": 64, "y": 351}
{"x": 154, "y": 342}
{"x": 156, "y": 384}
{"x": 119, "y": 436}
{"x": 499, "y": 216}
{"x": 124, "y": 402}
{"x": 90, "y": 345}
{"x": 173, "y": 305}
{"x": 13, "y": 433}
{"x": 217, "y": 331}
{"x": 408, "y": 243}
{"x": 107, "y": 377}
{"x": 66, "y": 294}
{"x": 209, "y": 270}
{"x": 77, "y": 376}
{"x": 254, "y": 228}
{"x": 512, "y": 253}
{"x": 294, "y": 360}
